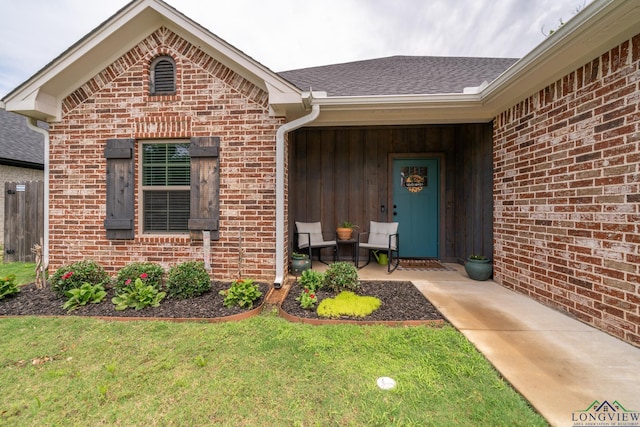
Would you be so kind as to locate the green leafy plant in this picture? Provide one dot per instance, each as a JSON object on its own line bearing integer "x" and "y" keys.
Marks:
{"x": 138, "y": 296}
{"x": 477, "y": 257}
{"x": 312, "y": 280}
{"x": 242, "y": 293}
{"x": 297, "y": 255}
{"x": 307, "y": 299}
{"x": 347, "y": 224}
{"x": 8, "y": 286}
{"x": 188, "y": 280}
{"x": 341, "y": 276}
{"x": 348, "y": 303}
{"x": 74, "y": 275}
{"x": 149, "y": 272}
{"x": 87, "y": 293}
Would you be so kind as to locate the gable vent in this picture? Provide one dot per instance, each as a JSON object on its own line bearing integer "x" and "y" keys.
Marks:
{"x": 163, "y": 80}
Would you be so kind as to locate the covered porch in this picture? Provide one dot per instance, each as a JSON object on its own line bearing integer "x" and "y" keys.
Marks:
{"x": 352, "y": 173}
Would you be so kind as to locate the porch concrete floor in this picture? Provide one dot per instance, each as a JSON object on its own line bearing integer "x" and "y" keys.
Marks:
{"x": 559, "y": 364}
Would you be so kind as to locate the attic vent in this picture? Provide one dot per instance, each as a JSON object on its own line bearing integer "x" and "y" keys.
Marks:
{"x": 163, "y": 76}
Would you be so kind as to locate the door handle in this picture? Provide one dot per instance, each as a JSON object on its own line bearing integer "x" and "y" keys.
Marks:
{"x": 395, "y": 213}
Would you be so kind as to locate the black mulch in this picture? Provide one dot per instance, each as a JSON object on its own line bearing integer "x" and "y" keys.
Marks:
{"x": 400, "y": 301}
{"x": 44, "y": 302}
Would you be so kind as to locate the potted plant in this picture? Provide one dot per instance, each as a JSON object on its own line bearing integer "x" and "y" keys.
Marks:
{"x": 299, "y": 263}
{"x": 478, "y": 267}
{"x": 345, "y": 230}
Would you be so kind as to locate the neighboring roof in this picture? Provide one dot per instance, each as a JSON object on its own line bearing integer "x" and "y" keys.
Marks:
{"x": 19, "y": 145}
{"x": 400, "y": 75}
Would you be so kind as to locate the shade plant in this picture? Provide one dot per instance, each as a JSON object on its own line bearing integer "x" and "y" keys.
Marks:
{"x": 85, "y": 294}
{"x": 341, "y": 276}
{"x": 8, "y": 286}
{"x": 242, "y": 293}
{"x": 139, "y": 295}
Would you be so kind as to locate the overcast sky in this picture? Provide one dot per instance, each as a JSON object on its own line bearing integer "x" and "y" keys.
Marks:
{"x": 292, "y": 34}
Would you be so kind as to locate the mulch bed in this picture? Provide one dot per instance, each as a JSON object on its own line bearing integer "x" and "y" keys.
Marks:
{"x": 31, "y": 301}
{"x": 401, "y": 301}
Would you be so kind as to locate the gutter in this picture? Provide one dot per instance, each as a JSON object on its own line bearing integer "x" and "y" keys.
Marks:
{"x": 33, "y": 125}
{"x": 280, "y": 163}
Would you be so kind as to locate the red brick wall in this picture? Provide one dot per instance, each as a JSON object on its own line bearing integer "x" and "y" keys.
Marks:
{"x": 211, "y": 100}
{"x": 567, "y": 194}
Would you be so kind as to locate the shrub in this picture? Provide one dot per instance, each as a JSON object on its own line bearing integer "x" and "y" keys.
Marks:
{"x": 150, "y": 273}
{"x": 307, "y": 299}
{"x": 348, "y": 304}
{"x": 87, "y": 293}
{"x": 138, "y": 296}
{"x": 188, "y": 280}
{"x": 341, "y": 276}
{"x": 312, "y": 280}
{"x": 8, "y": 286}
{"x": 74, "y": 275}
{"x": 242, "y": 293}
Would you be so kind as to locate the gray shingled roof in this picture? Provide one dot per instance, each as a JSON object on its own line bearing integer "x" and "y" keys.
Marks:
{"x": 19, "y": 145}
{"x": 399, "y": 75}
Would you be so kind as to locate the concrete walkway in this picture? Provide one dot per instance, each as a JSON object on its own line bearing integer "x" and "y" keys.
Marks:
{"x": 560, "y": 365}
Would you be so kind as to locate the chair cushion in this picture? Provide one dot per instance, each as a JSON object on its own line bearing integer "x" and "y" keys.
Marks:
{"x": 379, "y": 234}
{"x": 315, "y": 233}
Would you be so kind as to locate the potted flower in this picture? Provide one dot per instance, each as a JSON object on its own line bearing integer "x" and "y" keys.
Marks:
{"x": 345, "y": 230}
{"x": 299, "y": 263}
{"x": 478, "y": 267}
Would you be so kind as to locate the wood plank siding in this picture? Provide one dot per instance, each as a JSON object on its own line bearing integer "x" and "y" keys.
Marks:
{"x": 339, "y": 174}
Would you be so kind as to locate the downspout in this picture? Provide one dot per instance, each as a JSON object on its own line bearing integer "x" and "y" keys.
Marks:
{"x": 280, "y": 134}
{"x": 33, "y": 125}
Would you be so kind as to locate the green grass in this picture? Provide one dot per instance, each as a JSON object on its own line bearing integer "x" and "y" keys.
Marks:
{"x": 24, "y": 271}
{"x": 263, "y": 371}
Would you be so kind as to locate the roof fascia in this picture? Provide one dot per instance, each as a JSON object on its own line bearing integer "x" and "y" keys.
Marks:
{"x": 600, "y": 26}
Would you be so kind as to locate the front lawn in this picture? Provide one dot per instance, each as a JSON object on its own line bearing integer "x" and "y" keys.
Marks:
{"x": 263, "y": 371}
{"x": 24, "y": 271}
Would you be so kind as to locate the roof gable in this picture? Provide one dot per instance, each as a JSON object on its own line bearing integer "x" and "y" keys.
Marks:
{"x": 41, "y": 96}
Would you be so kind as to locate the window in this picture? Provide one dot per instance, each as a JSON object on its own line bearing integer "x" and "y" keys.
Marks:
{"x": 166, "y": 180}
{"x": 163, "y": 76}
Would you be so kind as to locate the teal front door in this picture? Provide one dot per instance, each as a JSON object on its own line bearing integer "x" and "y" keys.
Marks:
{"x": 416, "y": 206}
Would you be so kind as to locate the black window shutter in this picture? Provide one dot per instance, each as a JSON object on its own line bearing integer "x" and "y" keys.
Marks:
{"x": 120, "y": 189}
{"x": 205, "y": 187}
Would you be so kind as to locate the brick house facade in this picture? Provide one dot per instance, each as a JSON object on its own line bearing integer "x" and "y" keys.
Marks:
{"x": 567, "y": 193}
{"x": 210, "y": 100}
{"x": 565, "y": 150}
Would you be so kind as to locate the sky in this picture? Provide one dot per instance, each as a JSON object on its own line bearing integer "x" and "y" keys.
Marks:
{"x": 293, "y": 34}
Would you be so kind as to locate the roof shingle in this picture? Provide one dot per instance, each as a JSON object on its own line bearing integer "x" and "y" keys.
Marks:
{"x": 399, "y": 75}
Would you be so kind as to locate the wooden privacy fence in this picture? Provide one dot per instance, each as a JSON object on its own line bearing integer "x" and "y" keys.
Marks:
{"x": 23, "y": 219}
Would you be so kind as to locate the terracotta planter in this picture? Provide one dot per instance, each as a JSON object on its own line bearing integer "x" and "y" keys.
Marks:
{"x": 478, "y": 269}
{"x": 344, "y": 233}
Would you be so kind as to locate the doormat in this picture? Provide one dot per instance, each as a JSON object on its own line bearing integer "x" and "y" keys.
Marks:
{"x": 423, "y": 265}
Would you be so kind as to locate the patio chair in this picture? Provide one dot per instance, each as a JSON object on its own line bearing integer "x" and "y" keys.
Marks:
{"x": 383, "y": 237}
{"x": 309, "y": 236}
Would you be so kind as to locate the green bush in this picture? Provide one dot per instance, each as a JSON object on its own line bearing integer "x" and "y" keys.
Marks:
{"x": 188, "y": 280}
{"x": 150, "y": 273}
{"x": 348, "y": 304}
{"x": 341, "y": 276}
{"x": 241, "y": 293}
{"x": 138, "y": 296}
{"x": 8, "y": 286}
{"x": 74, "y": 275}
{"x": 312, "y": 280}
{"x": 87, "y": 293}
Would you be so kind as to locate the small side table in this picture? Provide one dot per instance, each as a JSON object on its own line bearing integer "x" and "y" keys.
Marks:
{"x": 351, "y": 242}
